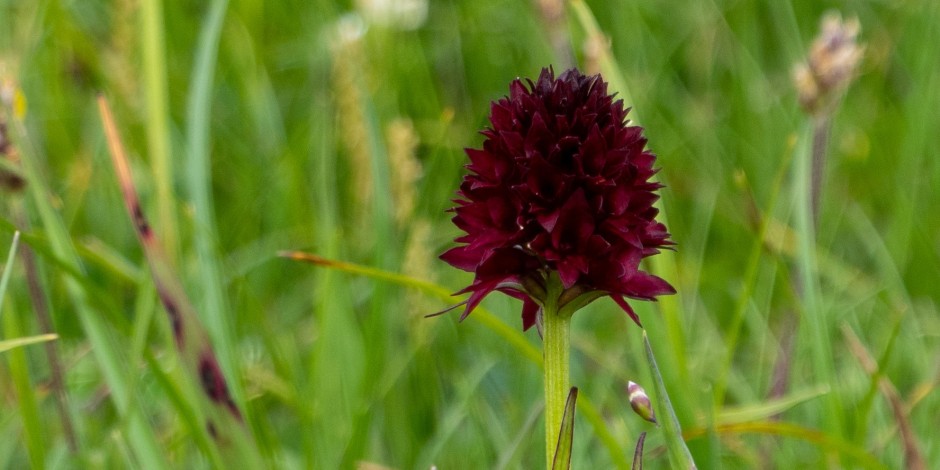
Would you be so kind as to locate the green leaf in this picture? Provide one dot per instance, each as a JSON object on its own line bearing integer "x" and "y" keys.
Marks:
{"x": 562, "y": 459}
{"x": 679, "y": 454}
{"x": 638, "y": 453}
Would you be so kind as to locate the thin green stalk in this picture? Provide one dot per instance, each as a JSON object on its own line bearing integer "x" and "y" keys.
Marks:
{"x": 817, "y": 323}
{"x": 183, "y": 398}
{"x": 158, "y": 140}
{"x": 44, "y": 320}
{"x": 452, "y": 418}
{"x": 750, "y": 282}
{"x": 821, "y": 127}
{"x": 556, "y": 352}
{"x": 213, "y": 305}
{"x": 19, "y": 372}
{"x": 324, "y": 229}
{"x": 7, "y": 268}
{"x": 609, "y": 67}
{"x": 26, "y": 397}
{"x": 8, "y": 344}
{"x": 679, "y": 455}
{"x": 487, "y": 318}
{"x": 375, "y": 332}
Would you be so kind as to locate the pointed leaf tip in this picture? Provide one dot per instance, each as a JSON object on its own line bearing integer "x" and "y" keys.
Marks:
{"x": 562, "y": 460}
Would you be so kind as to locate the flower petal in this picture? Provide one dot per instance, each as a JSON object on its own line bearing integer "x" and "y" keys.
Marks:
{"x": 626, "y": 308}
{"x": 646, "y": 286}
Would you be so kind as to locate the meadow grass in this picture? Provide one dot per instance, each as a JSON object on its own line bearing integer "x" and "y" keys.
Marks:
{"x": 257, "y": 129}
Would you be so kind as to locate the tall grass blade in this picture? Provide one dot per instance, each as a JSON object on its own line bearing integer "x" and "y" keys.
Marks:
{"x": 487, "y": 318}
{"x": 679, "y": 454}
{"x": 750, "y": 283}
{"x": 609, "y": 68}
{"x": 509, "y": 453}
{"x": 26, "y": 397}
{"x": 225, "y": 423}
{"x": 199, "y": 184}
{"x": 19, "y": 370}
{"x": 8, "y": 268}
{"x": 57, "y": 382}
{"x": 158, "y": 134}
{"x": 816, "y": 316}
{"x": 455, "y": 414}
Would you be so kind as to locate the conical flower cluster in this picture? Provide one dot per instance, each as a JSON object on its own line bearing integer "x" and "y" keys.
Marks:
{"x": 560, "y": 192}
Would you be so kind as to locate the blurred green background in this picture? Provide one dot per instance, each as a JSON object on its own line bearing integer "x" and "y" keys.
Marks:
{"x": 338, "y": 129}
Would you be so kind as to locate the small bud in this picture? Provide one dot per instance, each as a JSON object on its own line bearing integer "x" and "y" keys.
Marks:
{"x": 640, "y": 402}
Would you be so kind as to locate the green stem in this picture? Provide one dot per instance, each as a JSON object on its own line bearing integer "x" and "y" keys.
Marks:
{"x": 153, "y": 45}
{"x": 556, "y": 346}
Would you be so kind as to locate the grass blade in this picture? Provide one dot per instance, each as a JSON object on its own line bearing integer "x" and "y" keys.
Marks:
{"x": 609, "y": 68}
{"x": 487, "y": 318}
{"x": 562, "y": 459}
{"x": 807, "y": 267}
{"x": 158, "y": 134}
{"x": 26, "y": 396}
{"x": 455, "y": 415}
{"x": 913, "y": 458}
{"x": 213, "y": 304}
{"x": 768, "y": 408}
{"x": 225, "y": 423}
{"x": 8, "y": 268}
{"x": 679, "y": 454}
{"x": 638, "y": 453}
{"x": 824, "y": 441}
{"x": 9, "y": 344}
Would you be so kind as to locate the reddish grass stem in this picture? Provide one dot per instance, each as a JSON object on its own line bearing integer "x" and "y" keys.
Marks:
{"x": 191, "y": 338}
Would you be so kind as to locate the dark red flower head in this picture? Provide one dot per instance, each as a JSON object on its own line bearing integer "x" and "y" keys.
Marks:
{"x": 560, "y": 192}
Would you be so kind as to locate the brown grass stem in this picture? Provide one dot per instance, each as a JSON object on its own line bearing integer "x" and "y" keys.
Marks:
{"x": 189, "y": 335}
{"x": 821, "y": 128}
{"x": 41, "y": 308}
